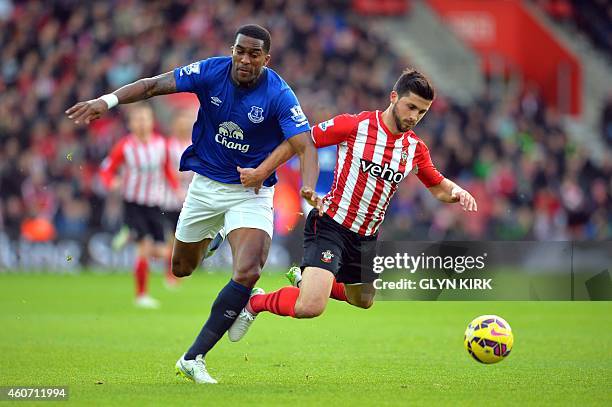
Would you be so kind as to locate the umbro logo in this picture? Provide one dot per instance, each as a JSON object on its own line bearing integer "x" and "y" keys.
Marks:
{"x": 215, "y": 101}
{"x": 230, "y": 314}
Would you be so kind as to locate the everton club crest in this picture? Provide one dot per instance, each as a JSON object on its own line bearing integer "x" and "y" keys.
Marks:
{"x": 256, "y": 114}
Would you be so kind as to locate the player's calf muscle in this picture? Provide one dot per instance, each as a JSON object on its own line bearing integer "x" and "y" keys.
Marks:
{"x": 249, "y": 251}
{"x": 314, "y": 292}
{"x": 309, "y": 309}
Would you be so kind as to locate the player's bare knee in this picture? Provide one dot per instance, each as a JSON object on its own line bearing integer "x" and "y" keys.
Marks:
{"x": 181, "y": 268}
{"x": 361, "y": 301}
{"x": 365, "y": 303}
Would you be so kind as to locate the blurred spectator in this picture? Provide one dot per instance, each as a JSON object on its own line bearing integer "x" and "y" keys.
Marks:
{"x": 560, "y": 10}
{"x": 606, "y": 121}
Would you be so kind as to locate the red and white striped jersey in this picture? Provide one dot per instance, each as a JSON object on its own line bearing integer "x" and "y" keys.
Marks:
{"x": 173, "y": 200}
{"x": 370, "y": 165}
{"x": 145, "y": 168}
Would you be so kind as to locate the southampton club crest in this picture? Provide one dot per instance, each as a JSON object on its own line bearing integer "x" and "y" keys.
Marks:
{"x": 256, "y": 114}
{"x": 404, "y": 158}
{"x": 327, "y": 256}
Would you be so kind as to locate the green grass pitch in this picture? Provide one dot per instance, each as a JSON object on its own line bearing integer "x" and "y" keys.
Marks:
{"x": 82, "y": 331}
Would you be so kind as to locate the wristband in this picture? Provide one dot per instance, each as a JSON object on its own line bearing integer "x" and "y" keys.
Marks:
{"x": 111, "y": 100}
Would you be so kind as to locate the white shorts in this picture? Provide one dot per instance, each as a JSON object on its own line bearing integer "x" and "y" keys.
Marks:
{"x": 211, "y": 205}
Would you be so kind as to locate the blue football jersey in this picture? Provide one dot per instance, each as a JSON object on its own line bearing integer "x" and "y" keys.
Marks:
{"x": 236, "y": 126}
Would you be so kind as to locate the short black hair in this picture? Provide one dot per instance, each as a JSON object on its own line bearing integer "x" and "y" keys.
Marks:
{"x": 256, "y": 31}
{"x": 413, "y": 81}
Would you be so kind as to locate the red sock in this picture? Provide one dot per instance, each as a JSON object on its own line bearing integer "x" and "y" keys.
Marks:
{"x": 337, "y": 292}
{"x": 281, "y": 302}
{"x": 141, "y": 273}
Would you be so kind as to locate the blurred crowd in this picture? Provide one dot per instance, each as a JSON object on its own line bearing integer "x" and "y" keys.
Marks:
{"x": 530, "y": 179}
{"x": 591, "y": 17}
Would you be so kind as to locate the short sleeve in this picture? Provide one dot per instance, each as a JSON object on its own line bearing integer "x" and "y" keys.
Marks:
{"x": 291, "y": 119}
{"x": 334, "y": 131}
{"x": 425, "y": 169}
{"x": 193, "y": 77}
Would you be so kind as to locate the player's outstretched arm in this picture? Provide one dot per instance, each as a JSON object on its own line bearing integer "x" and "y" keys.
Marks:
{"x": 449, "y": 192}
{"x": 85, "y": 112}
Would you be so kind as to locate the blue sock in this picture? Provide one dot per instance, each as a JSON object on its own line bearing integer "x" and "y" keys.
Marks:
{"x": 230, "y": 301}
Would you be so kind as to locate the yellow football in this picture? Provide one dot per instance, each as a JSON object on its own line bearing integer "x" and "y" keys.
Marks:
{"x": 488, "y": 339}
